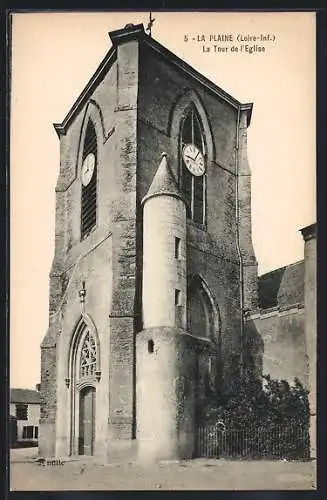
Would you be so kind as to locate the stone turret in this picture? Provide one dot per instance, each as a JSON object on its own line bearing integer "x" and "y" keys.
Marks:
{"x": 163, "y": 341}
{"x": 164, "y": 255}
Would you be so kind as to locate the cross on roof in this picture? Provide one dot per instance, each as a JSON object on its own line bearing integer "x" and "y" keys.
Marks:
{"x": 150, "y": 24}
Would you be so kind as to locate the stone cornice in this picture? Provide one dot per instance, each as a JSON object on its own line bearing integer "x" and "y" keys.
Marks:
{"x": 309, "y": 232}
{"x": 130, "y": 32}
{"x": 280, "y": 310}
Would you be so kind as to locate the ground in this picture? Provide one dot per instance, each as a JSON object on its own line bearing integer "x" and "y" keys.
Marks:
{"x": 201, "y": 474}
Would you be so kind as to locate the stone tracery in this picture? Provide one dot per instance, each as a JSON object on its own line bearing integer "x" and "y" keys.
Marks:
{"x": 88, "y": 356}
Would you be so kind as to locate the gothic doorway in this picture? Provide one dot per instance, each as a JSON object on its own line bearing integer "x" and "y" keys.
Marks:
{"x": 86, "y": 421}
{"x": 85, "y": 375}
{"x": 203, "y": 323}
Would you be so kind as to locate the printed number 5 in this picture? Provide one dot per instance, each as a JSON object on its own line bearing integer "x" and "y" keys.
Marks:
{"x": 185, "y": 38}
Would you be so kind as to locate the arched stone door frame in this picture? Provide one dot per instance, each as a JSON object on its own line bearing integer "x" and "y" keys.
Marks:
{"x": 76, "y": 383}
{"x": 197, "y": 283}
{"x": 208, "y": 367}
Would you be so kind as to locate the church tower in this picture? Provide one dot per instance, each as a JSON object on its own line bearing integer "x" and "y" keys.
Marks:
{"x": 154, "y": 264}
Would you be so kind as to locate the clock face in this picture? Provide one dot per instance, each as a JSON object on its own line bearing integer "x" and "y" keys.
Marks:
{"x": 194, "y": 159}
{"x": 88, "y": 169}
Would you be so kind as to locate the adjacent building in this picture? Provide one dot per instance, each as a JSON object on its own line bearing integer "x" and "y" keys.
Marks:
{"x": 285, "y": 323}
{"x": 25, "y": 413}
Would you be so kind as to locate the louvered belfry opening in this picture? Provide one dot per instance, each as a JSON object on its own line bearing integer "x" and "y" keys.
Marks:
{"x": 89, "y": 194}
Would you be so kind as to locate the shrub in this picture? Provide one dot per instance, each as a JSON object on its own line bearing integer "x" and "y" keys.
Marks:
{"x": 274, "y": 401}
{"x": 272, "y": 412}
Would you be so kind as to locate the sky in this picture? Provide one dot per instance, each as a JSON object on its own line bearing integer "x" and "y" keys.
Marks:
{"x": 53, "y": 57}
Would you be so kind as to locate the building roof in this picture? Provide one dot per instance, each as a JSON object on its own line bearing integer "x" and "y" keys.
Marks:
{"x": 163, "y": 182}
{"x": 131, "y": 32}
{"x": 24, "y": 396}
{"x": 282, "y": 287}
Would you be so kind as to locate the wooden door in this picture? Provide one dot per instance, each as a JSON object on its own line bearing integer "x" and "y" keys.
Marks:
{"x": 87, "y": 421}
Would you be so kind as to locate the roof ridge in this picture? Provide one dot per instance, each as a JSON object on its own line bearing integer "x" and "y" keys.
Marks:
{"x": 281, "y": 268}
{"x": 138, "y": 31}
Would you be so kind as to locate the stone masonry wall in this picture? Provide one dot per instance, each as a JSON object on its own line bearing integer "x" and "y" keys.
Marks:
{"x": 69, "y": 247}
{"x": 164, "y": 92}
{"x": 283, "y": 336}
{"x": 48, "y": 399}
{"x": 122, "y": 316}
{"x": 310, "y": 301}
{"x": 94, "y": 268}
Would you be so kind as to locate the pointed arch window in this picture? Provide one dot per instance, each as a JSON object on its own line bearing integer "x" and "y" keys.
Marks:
{"x": 193, "y": 187}
{"x": 89, "y": 181}
{"x": 88, "y": 356}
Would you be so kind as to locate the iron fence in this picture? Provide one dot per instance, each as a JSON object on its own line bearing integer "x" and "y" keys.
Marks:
{"x": 277, "y": 443}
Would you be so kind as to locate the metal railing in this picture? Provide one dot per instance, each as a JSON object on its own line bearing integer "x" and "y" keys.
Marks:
{"x": 289, "y": 442}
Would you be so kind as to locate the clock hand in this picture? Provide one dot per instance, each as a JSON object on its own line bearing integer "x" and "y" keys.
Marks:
{"x": 196, "y": 155}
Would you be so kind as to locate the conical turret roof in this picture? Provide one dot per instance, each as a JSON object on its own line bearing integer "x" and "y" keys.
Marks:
{"x": 163, "y": 182}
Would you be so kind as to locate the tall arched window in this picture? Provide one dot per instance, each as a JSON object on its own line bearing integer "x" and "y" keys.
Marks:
{"x": 89, "y": 181}
{"x": 193, "y": 186}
